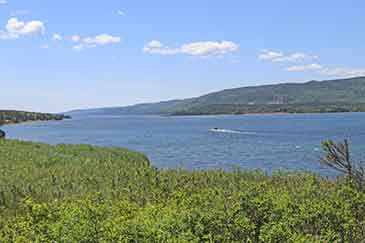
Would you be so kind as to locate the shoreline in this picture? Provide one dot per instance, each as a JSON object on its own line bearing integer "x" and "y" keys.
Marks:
{"x": 263, "y": 113}
{"x": 31, "y": 121}
{"x": 11, "y": 117}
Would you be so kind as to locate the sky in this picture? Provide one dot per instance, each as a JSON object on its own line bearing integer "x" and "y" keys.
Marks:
{"x": 57, "y": 56}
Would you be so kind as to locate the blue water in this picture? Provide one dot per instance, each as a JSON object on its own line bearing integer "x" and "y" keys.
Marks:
{"x": 267, "y": 142}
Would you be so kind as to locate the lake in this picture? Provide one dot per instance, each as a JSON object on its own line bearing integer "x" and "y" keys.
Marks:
{"x": 268, "y": 142}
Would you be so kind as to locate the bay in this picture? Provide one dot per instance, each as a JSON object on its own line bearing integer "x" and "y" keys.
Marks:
{"x": 269, "y": 142}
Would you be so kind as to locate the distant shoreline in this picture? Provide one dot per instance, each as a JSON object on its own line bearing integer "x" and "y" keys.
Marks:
{"x": 244, "y": 114}
{"x": 32, "y": 121}
{"x": 219, "y": 114}
{"x": 272, "y": 109}
{"x": 9, "y": 117}
{"x": 258, "y": 113}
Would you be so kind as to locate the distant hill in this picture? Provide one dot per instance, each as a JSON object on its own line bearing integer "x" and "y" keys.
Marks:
{"x": 339, "y": 95}
{"x": 164, "y": 107}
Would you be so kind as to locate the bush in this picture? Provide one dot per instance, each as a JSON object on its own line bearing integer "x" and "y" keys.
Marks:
{"x": 80, "y": 193}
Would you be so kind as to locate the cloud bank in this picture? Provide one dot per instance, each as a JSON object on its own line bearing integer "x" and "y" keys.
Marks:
{"x": 299, "y": 57}
{"x": 328, "y": 71}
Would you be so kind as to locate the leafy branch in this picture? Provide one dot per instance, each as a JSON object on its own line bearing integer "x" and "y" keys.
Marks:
{"x": 338, "y": 157}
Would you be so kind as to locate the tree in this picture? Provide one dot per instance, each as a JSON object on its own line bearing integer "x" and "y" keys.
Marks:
{"x": 338, "y": 157}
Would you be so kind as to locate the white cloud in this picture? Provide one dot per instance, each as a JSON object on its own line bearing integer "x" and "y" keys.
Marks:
{"x": 296, "y": 57}
{"x": 75, "y": 38}
{"x": 300, "y": 68}
{"x": 57, "y": 37}
{"x": 343, "y": 72}
{"x": 339, "y": 72}
{"x": 45, "y": 46}
{"x": 204, "y": 48}
{"x": 79, "y": 47}
{"x": 155, "y": 44}
{"x": 270, "y": 55}
{"x": 7, "y": 36}
{"x": 120, "y": 12}
{"x": 103, "y": 39}
{"x": 3, "y": 2}
{"x": 90, "y": 42}
{"x": 16, "y": 28}
{"x": 209, "y": 48}
{"x": 156, "y": 47}
{"x": 275, "y": 56}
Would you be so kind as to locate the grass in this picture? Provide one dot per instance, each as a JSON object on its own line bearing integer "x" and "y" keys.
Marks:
{"x": 82, "y": 193}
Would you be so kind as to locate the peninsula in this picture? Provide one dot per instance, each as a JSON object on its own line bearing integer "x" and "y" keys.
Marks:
{"x": 12, "y": 117}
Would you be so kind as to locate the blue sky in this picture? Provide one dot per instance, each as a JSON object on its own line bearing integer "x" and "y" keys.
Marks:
{"x": 61, "y": 55}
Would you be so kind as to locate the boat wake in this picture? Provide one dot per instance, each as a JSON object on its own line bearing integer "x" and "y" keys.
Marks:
{"x": 220, "y": 130}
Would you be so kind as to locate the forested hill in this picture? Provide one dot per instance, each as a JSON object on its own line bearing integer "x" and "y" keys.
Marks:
{"x": 313, "y": 96}
{"x": 10, "y": 116}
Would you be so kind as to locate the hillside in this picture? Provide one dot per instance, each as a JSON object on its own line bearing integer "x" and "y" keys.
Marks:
{"x": 339, "y": 95}
{"x": 82, "y": 193}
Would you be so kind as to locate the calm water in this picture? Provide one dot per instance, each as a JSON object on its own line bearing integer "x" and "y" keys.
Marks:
{"x": 268, "y": 142}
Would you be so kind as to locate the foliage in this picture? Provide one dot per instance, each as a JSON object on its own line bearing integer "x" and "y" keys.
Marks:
{"x": 8, "y": 117}
{"x": 338, "y": 157}
{"x": 81, "y": 193}
{"x": 237, "y": 109}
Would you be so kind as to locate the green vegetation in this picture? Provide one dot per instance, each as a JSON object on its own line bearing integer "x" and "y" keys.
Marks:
{"x": 9, "y": 117}
{"x": 272, "y": 108}
{"x": 342, "y": 95}
{"x": 81, "y": 193}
